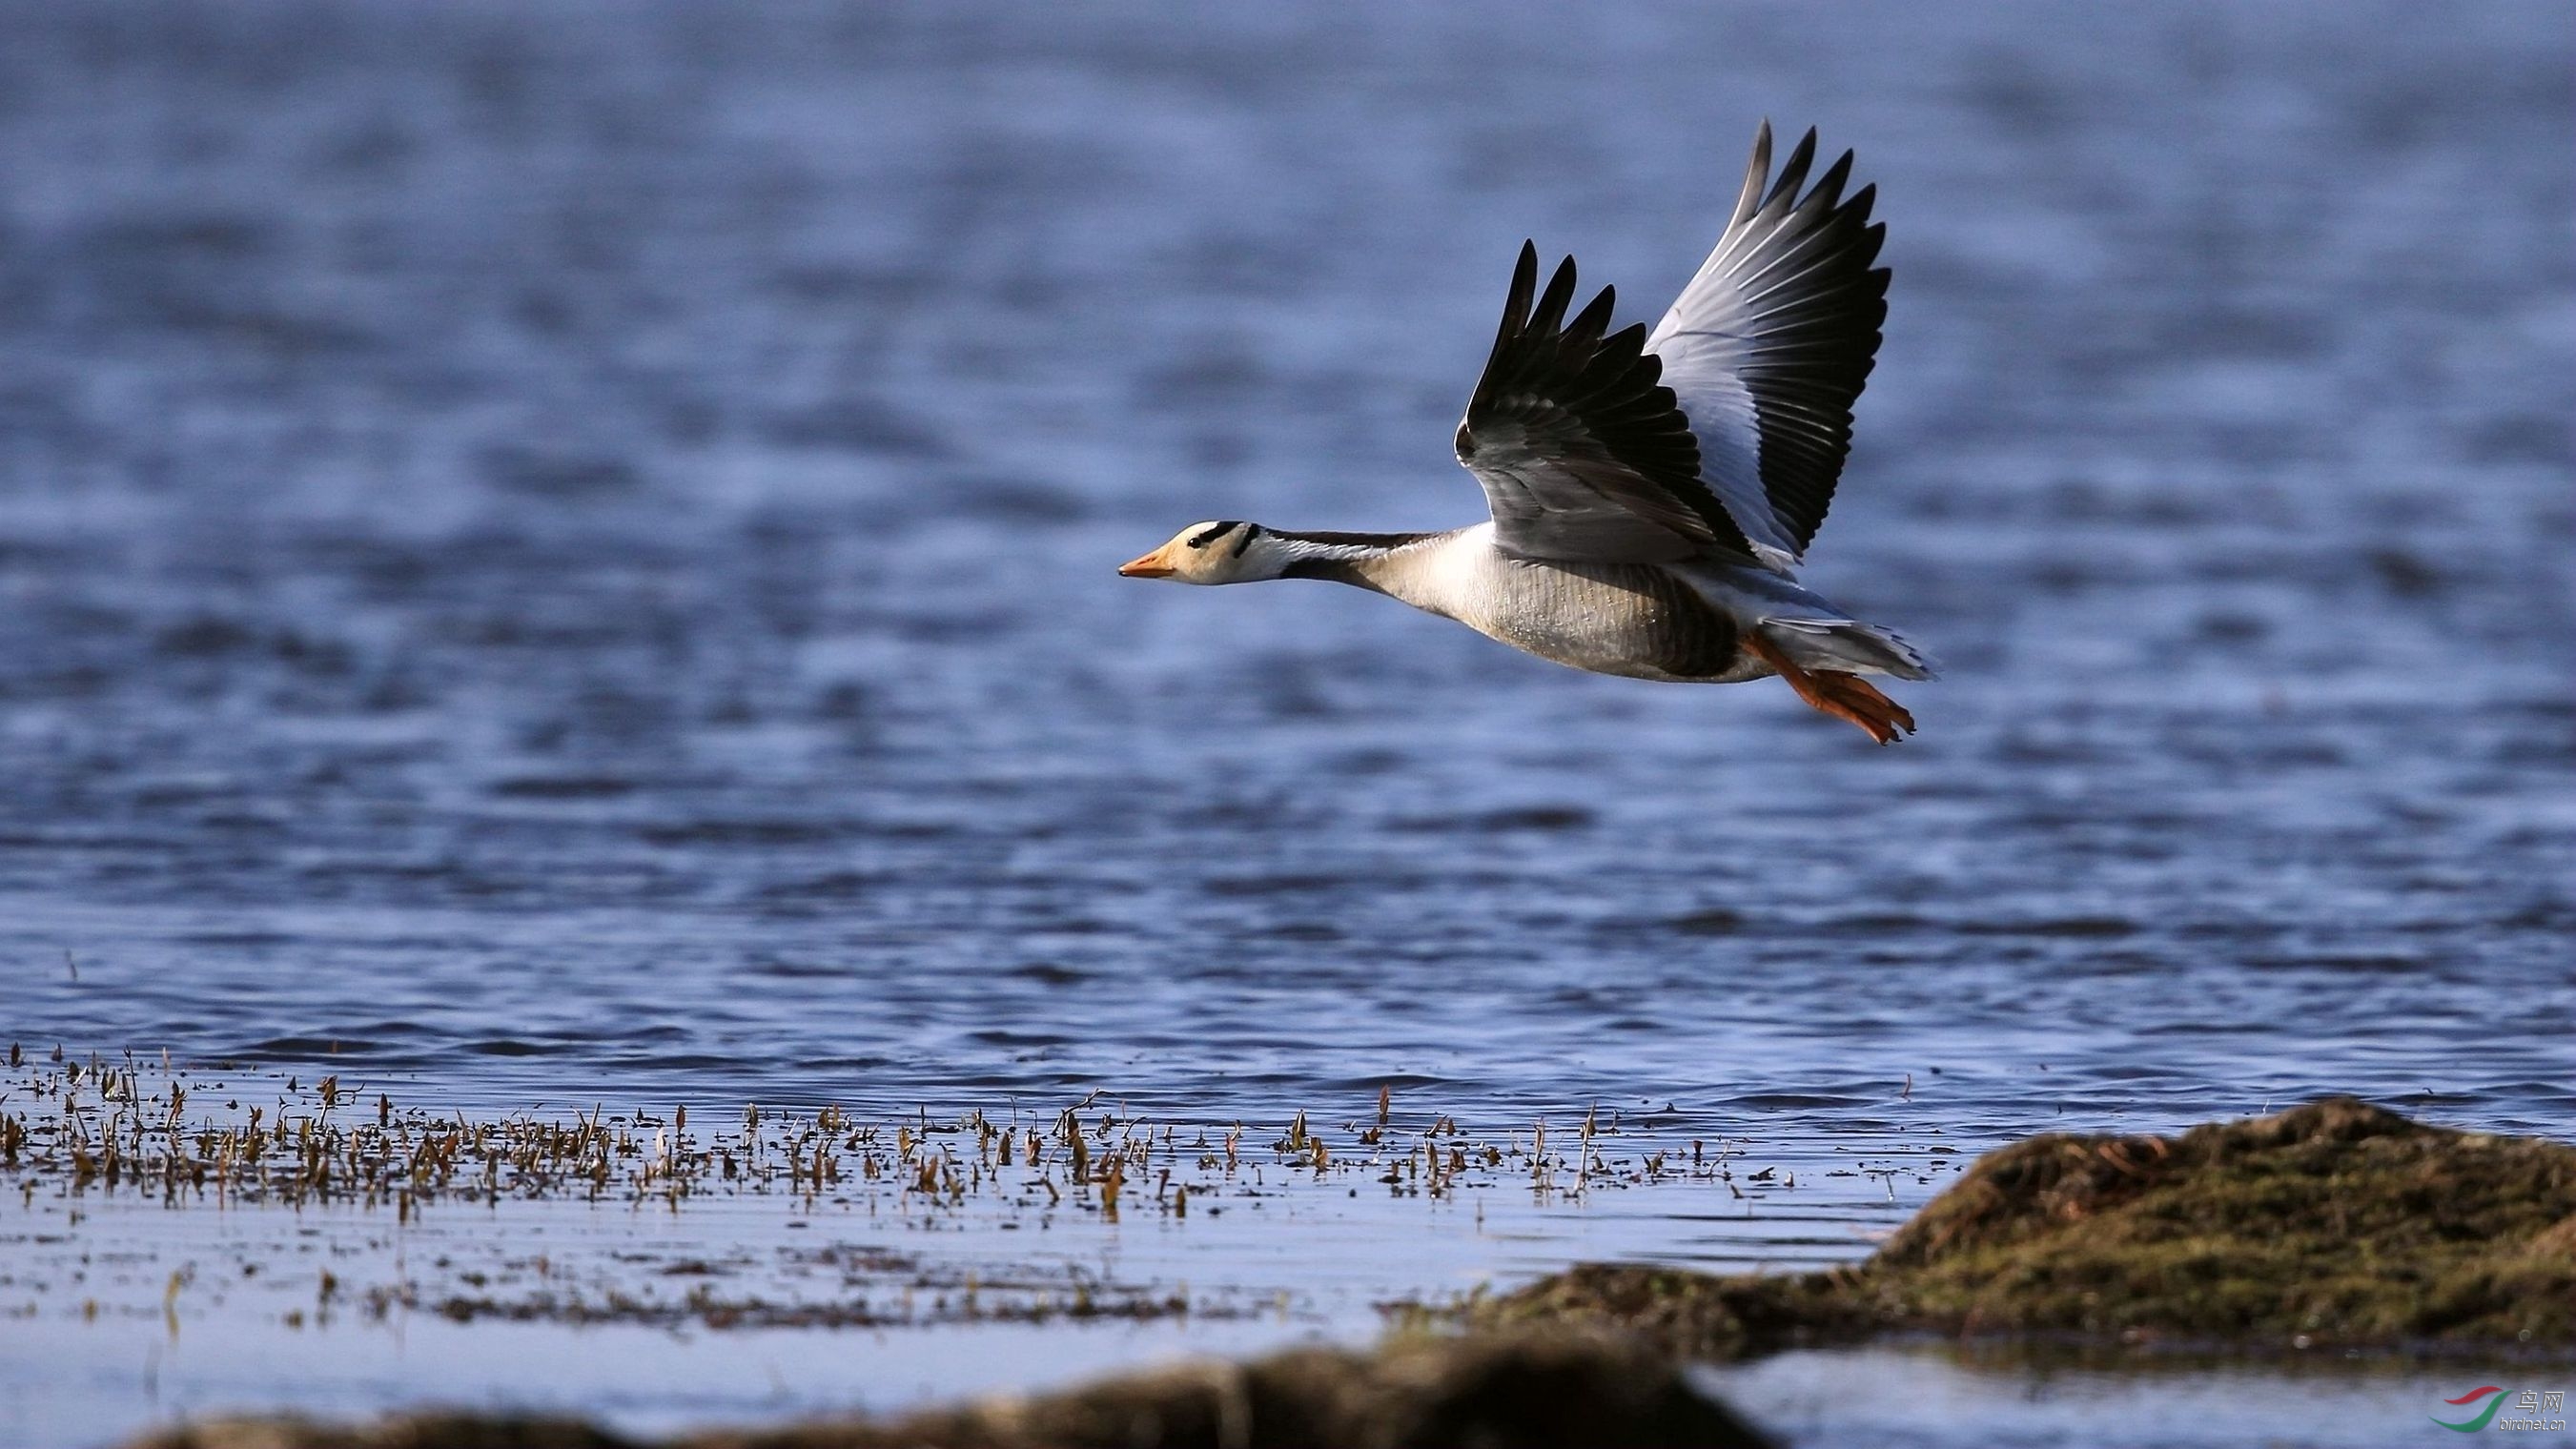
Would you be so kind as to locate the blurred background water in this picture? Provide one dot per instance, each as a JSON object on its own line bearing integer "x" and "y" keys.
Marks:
{"x": 556, "y": 549}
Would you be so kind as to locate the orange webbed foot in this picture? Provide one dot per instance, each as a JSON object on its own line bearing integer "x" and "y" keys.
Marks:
{"x": 1831, "y": 691}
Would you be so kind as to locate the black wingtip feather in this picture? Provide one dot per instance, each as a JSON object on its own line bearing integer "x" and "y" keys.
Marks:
{"x": 1872, "y": 237}
{"x": 1757, "y": 173}
{"x": 1515, "y": 318}
{"x": 1550, "y": 315}
{"x": 1794, "y": 174}
{"x": 1829, "y": 186}
{"x": 1583, "y": 334}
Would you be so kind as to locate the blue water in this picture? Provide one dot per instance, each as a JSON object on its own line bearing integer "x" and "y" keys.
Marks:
{"x": 556, "y": 551}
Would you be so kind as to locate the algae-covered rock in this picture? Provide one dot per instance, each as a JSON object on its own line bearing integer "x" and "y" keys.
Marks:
{"x": 2338, "y": 1220}
{"x": 1422, "y": 1393}
{"x": 2332, "y": 1223}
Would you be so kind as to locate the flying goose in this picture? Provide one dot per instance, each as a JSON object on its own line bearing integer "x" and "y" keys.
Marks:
{"x": 1652, "y": 493}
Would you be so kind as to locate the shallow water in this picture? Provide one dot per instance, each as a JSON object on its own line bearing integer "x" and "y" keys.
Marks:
{"x": 556, "y": 558}
{"x": 1931, "y": 1396}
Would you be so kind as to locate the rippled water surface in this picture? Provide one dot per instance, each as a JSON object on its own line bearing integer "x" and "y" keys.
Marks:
{"x": 552, "y": 552}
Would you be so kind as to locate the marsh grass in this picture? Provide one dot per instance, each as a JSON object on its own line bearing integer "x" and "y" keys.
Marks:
{"x": 79, "y": 1137}
{"x": 122, "y": 1128}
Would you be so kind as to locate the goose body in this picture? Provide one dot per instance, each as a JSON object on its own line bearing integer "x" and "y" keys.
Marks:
{"x": 1652, "y": 495}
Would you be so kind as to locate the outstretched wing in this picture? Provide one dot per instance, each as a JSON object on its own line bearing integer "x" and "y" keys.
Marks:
{"x": 1769, "y": 345}
{"x": 1582, "y": 451}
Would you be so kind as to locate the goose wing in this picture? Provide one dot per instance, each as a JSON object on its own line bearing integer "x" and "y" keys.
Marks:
{"x": 1771, "y": 342}
{"x": 1582, "y": 452}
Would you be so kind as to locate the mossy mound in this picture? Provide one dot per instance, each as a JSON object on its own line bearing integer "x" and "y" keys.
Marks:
{"x": 2332, "y": 1223}
{"x": 1424, "y": 1393}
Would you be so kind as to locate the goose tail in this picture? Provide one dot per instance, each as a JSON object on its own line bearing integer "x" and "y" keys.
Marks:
{"x": 1850, "y": 646}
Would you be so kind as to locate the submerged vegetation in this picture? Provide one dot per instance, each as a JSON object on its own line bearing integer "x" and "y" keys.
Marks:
{"x": 808, "y": 1197}
{"x": 2334, "y": 1223}
{"x": 106, "y": 1127}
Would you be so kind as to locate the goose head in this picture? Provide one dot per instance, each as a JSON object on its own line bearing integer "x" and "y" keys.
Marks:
{"x": 1228, "y": 552}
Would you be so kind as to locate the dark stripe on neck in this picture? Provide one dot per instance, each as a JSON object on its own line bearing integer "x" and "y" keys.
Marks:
{"x": 1344, "y": 570}
{"x": 1334, "y": 570}
{"x": 1354, "y": 540}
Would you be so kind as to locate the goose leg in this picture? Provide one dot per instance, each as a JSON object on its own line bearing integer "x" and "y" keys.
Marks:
{"x": 1831, "y": 691}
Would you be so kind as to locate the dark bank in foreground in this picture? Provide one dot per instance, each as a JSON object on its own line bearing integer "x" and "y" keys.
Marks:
{"x": 2334, "y": 1224}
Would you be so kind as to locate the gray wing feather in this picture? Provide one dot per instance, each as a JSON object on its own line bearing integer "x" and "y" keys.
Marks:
{"x": 1771, "y": 343}
{"x": 1582, "y": 452}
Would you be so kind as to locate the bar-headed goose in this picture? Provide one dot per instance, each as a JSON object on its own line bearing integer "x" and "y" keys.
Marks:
{"x": 1652, "y": 493}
